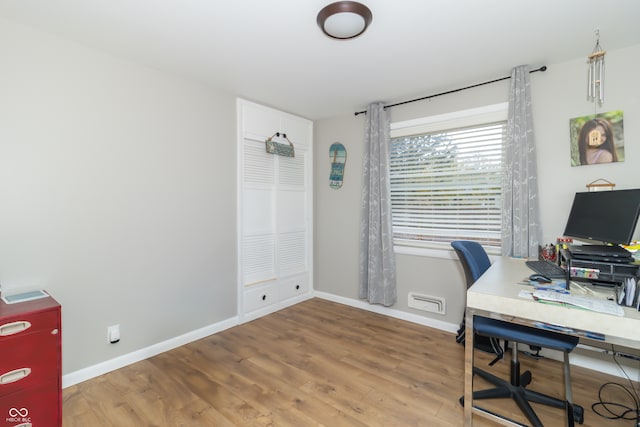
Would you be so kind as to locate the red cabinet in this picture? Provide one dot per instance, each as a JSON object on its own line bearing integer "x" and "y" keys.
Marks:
{"x": 30, "y": 364}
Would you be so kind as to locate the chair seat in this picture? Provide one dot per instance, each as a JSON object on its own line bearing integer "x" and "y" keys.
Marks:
{"x": 524, "y": 334}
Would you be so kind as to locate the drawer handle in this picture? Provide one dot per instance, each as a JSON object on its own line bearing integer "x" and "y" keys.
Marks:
{"x": 15, "y": 375}
{"x": 14, "y": 328}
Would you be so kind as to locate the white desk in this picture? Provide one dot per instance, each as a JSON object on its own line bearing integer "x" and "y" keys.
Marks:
{"x": 495, "y": 295}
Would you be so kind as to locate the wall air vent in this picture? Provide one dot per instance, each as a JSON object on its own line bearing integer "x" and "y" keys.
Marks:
{"x": 426, "y": 303}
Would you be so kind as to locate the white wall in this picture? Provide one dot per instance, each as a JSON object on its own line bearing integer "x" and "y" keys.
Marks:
{"x": 558, "y": 95}
{"x": 561, "y": 96}
{"x": 115, "y": 194}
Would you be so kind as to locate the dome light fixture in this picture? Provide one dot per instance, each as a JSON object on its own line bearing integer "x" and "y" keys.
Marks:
{"x": 344, "y": 19}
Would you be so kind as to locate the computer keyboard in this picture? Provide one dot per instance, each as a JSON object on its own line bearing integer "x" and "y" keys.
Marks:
{"x": 547, "y": 268}
{"x": 589, "y": 303}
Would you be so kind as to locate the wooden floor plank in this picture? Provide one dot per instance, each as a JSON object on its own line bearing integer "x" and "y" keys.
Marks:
{"x": 317, "y": 363}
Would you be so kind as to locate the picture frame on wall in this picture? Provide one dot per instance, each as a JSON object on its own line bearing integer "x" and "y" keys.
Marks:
{"x": 597, "y": 138}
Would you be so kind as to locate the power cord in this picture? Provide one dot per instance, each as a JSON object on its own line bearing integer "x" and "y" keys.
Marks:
{"x": 615, "y": 410}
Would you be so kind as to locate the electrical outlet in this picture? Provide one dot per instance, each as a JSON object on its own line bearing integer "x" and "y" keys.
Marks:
{"x": 113, "y": 334}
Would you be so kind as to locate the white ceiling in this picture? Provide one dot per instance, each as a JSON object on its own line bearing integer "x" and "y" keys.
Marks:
{"x": 272, "y": 51}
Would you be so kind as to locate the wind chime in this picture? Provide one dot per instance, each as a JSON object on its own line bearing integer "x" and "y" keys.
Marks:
{"x": 595, "y": 89}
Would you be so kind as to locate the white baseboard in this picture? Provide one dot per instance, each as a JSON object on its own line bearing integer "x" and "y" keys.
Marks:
{"x": 144, "y": 353}
{"x": 581, "y": 358}
{"x": 138, "y": 355}
{"x": 402, "y": 315}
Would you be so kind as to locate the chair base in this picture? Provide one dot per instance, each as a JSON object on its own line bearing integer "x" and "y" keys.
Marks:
{"x": 522, "y": 396}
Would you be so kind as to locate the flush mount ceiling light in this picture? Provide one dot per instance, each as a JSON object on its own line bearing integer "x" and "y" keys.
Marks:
{"x": 344, "y": 19}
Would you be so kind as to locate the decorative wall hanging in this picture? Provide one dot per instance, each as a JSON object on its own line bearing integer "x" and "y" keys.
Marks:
{"x": 338, "y": 158}
{"x": 600, "y": 184}
{"x": 279, "y": 148}
{"x": 597, "y": 138}
{"x": 595, "y": 74}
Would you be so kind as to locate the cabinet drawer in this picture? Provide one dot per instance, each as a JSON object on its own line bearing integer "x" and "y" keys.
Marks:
{"x": 260, "y": 297}
{"x": 29, "y": 360}
{"x": 293, "y": 287}
{"x": 37, "y": 407}
{"x": 12, "y": 326}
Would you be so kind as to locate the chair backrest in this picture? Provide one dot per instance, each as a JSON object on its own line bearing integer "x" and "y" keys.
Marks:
{"x": 473, "y": 257}
{"x": 475, "y": 262}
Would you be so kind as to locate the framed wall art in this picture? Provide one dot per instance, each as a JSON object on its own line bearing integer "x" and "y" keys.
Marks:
{"x": 597, "y": 138}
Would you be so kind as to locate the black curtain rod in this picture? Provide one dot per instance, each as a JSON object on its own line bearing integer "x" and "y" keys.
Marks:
{"x": 543, "y": 68}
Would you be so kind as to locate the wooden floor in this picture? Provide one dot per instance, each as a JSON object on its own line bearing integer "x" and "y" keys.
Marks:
{"x": 314, "y": 364}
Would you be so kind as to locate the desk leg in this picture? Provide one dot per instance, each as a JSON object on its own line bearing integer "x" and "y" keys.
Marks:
{"x": 468, "y": 368}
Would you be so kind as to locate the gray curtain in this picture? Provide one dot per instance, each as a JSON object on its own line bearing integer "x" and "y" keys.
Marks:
{"x": 520, "y": 214}
{"x": 377, "y": 259}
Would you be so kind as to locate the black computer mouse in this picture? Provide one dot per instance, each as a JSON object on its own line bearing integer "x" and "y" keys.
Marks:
{"x": 539, "y": 278}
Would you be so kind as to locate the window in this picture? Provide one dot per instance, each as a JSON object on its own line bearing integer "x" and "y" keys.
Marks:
{"x": 446, "y": 178}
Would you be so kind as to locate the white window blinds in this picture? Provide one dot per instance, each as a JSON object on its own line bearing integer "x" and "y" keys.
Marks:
{"x": 447, "y": 185}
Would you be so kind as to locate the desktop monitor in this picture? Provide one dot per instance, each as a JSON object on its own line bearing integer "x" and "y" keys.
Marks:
{"x": 605, "y": 216}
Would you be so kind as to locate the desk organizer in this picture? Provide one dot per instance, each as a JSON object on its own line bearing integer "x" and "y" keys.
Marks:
{"x": 601, "y": 271}
{"x": 627, "y": 293}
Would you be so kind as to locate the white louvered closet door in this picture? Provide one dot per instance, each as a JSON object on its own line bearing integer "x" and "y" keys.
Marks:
{"x": 275, "y": 206}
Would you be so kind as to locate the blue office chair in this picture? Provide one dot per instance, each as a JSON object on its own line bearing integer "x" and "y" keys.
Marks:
{"x": 472, "y": 271}
{"x": 475, "y": 262}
